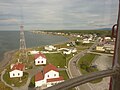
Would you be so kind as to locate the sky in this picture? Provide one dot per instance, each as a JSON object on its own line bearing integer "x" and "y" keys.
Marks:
{"x": 58, "y": 14}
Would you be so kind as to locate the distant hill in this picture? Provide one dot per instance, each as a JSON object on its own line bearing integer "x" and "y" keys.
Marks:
{"x": 104, "y": 29}
{"x": 99, "y": 32}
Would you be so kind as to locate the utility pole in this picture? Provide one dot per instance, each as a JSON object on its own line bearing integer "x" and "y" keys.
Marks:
{"x": 116, "y": 78}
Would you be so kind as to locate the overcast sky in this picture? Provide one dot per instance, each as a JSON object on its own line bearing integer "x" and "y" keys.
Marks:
{"x": 57, "y": 14}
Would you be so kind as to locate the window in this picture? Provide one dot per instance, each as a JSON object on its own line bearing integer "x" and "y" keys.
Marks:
{"x": 54, "y": 74}
{"x": 41, "y": 61}
{"x": 48, "y": 75}
{"x": 18, "y": 74}
{"x": 38, "y": 61}
{"x": 13, "y": 74}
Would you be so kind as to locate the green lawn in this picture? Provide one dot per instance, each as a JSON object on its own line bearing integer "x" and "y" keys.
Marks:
{"x": 56, "y": 59}
{"x": 87, "y": 59}
{"x": 85, "y": 65}
{"x": 15, "y": 81}
{"x": 64, "y": 74}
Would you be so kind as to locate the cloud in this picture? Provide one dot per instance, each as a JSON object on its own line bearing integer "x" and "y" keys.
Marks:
{"x": 57, "y": 14}
{"x": 9, "y": 20}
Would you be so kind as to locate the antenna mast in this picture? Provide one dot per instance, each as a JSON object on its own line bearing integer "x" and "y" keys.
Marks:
{"x": 22, "y": 41}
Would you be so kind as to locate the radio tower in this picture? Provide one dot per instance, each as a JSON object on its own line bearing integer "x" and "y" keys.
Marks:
{"x": 22, "y": 44}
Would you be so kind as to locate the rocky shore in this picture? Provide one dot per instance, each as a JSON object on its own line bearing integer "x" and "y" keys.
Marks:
{"x": 6, "y": 59}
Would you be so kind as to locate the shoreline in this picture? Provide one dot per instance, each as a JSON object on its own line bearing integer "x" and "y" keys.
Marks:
{"x": 6, "y": 59}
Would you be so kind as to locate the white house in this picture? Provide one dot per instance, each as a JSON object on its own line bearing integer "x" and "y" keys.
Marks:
{"x": 40, "y": 59}
{"x": 50, "y": 71}
{"x": 73, "y": 50}
{"x": 51, "y": 74}
{"x": 49, "y": 77}
{"x": 34, "y": 52}
{"x": 107, "y": 38}
{"x": 39, "y": 79}
{"x": 86, "y": 40}
{"x": 90, "y": 39}
{"x": 17, "y": 70}
{"x": 67, "y": 52}
{"x": 49, "y": 48}
{"x": 100, "y": 48}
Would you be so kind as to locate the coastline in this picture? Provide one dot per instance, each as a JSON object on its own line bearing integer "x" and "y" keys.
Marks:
{"x": 6, "y": 59}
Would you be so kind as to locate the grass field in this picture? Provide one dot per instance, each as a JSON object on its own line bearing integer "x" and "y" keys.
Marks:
{"x": 56, "y": 59}
{"x": 85, "y": 65}
{"x": 88, "y": 58}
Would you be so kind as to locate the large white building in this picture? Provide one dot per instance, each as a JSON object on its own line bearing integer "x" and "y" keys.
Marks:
{"x": 100, "y": 48}
{"x": 40, "y": 59}
{"x": 49, "y": 48}
{"x": 34, "y": 52}
{"x": 49, "y": 77}
{"x": 16, "y": 70}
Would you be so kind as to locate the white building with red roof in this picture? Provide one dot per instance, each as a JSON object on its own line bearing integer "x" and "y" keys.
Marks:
{"x": 40, "y": 59}
{"x": 39, "y": 79}
{"x": 49, "y": 77}
{"x": 17, "y": 70}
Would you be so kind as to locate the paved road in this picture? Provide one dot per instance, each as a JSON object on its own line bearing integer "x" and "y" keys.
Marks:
{"x": 74, "y": 70}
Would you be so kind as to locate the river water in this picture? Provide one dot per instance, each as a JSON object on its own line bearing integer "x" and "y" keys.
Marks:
{"x": 9, "y": 40}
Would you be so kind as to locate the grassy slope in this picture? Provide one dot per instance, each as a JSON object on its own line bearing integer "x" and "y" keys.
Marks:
{"x": 88, "y": 58}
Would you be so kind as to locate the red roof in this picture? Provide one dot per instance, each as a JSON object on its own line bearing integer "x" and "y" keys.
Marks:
{"x": 39, "y": 76}
{"x": 55, "y": 79}
{"x": 40, "y": 54}
{"x": 18, "y": 66}
{"x": 49, "y": 68}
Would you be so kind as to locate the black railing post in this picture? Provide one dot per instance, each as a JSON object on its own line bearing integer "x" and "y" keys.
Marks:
{"x": 116, "y": 78}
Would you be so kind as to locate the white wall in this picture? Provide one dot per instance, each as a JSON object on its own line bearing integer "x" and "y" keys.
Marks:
{"x": 40, "y": 83}
{"x": 99, "y": 48}
{"x": 49, "y": 84}
{"x": 40, "y": 59}
{"x": 16, "y": 73}
{"x": 67, "y": 52}
{"x": 51, "y": 74}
